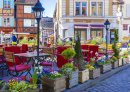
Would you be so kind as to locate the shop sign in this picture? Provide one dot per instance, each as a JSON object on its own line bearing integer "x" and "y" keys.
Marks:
{"x": 125, "y": 26}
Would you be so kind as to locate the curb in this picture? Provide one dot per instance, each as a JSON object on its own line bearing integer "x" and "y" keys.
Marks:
{"x": 90, "y": 82}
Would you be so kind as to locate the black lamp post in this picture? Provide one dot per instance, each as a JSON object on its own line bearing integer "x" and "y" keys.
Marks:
{"x": 107, "y": 25}
{"x": 38, "y": 12}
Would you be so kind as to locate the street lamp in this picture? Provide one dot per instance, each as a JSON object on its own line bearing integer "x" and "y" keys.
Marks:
{"x": 38, "y": 12}
{"x": 107, "y": 25}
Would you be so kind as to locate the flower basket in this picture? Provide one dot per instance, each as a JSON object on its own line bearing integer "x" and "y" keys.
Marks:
{"x": 83, "y": 76}
{"x": 120, "y": 62}
{"x": 54, "y": 85}
{"x": 114, "y": 64}
{"x": 39, "y": 89}
{"x": 94, "y": 73}
{"x": 124, "y": 60}
{"x": 105, "y": 68}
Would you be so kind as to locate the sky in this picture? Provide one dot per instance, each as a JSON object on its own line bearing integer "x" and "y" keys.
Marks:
{"x": 49, "y": 6}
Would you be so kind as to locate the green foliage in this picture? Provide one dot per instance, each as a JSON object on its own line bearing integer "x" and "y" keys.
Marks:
{"x": 13, "y": 43}
{"x": 53, "y": 75}
{"x": 35, "y": 77}
{"x": 60, "y": 43}
{"x": 74, "y": 40}
{"x": 124, "y": 56}
{"x": 94, "y": 42}
{"x": 24, "y": 40}
{"x": 103, "y": 61}
{"x": 68, "y": 53}
{"x": 78, "y": 58}
{"x": 69, "y": 43}
{"x": 67, "y": 69}
{"x": 31, "y": 41}
{"x": 114, "y": 59}
{"x": 2, "y": 83}
{"x": 114, "y": 46}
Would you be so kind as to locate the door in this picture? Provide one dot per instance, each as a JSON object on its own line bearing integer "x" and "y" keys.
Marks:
{"x": 96, "y": 33}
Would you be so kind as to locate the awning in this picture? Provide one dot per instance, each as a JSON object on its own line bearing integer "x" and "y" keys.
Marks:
{"x": 80, "y": 26}
{"x": 7, "y": 29}
{"x": 97, "y": 26}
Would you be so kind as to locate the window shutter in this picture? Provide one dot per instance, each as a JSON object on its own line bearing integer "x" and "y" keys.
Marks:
{"x": 1, "y": 21}
{"x": 12, "y": 21}
{"x": 1, "y": 3}
{"x": 12, "y": 4}
{"x": 128, "y": 10}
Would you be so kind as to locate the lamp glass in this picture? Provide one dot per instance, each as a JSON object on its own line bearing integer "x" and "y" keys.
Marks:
{"x": 38, "y": 14}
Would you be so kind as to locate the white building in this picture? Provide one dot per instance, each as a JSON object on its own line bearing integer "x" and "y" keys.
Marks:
{"x": 86, "y": 17}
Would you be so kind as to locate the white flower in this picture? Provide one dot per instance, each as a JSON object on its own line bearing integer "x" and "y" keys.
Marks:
{"x": 41, "y": 67}
{"x": 96, "y": 54}
{"x": 36, "y": 67}
{"x": 36, "y": 61}
{"x": 37, "y": 72}
{"x": 91, "y": 52}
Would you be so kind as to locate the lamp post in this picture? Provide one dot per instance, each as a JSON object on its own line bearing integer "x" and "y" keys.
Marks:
{"x": 38, "y": 12}
{"x": 107, "y": 25}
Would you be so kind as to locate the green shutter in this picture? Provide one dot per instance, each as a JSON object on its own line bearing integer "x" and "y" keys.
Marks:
{"x": 1, "y": 21}
{"x": 1, "y": 3}
{"x": 12, "y": 4}
{"x": 12, "y": 21}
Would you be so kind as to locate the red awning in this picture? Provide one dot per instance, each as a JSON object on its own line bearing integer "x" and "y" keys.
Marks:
{"x": 80, "y": 26}
{"x": 97, "y": 26}
{"x": 7, "y": 29}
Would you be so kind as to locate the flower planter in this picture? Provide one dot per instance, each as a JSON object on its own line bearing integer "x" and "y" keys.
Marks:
{"x": 83, "y": 76}
{"x": 129, "y": 57}
{"x": 94, "y": 73}
{"x": 120, "y": 62}
{"x": 114, "y": 64}
{"x": 53, "y": 85}
{"x": 127, "y": 60}
{"x": 39, "y": 89}
{"x": 124, "y": 61}
{"x": 105, "y": 68}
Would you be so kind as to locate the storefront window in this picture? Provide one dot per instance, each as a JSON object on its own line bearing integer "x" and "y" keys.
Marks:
{"x": 82, "y": 34}
{"x": 96, "y": 33}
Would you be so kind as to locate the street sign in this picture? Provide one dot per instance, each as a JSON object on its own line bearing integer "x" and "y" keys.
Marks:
{"x": 117, "y": 3}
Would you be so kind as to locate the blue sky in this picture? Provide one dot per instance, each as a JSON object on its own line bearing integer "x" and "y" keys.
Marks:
{"x": 49, "y": 6}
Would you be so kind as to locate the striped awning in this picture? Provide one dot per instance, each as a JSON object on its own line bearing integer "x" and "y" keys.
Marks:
{"x": 80, "y": 26}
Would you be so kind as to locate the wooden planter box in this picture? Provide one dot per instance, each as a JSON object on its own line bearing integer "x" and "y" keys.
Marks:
{"x": 53, "y": 85}
{"x": 129, "y": 57}
{"x": 120, "y": 62}
{"x": 83, "y": 76}
{"x": 127, "y": 60}
{"x": 105, "y": 68}
{"x": 94, "y": 73}
{"x": 114, "y": 64}
{"x": 39, "y": 89}
{"x": 124, "y": 60}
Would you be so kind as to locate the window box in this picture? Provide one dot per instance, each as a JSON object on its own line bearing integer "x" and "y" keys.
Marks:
{"x": 83, "y": 76}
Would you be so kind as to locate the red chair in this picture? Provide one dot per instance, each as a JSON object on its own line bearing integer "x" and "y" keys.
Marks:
{"x": 1, "y": 45}
{"x": 92, "y": 49}
{"x": 48, "y": 45}
{"x": 16, "y": 68}
{"x": 24, "y": 50}
{"x": 85, "y": 47}
{"x": 60, "y": 60}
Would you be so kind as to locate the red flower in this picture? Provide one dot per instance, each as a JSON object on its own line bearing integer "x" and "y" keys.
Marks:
{"x": 31, "y": 80}
{"x": 24, "y": 78}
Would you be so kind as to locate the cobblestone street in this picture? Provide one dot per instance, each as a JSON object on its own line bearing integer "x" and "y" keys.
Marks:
{"x": 120, "y": 82}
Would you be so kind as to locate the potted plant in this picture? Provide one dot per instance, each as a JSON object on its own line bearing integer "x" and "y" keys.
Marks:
{"x": 127, "y": 54}
{"x": 120, "y": 58}
{"x": 114, "y": 62}
{"x": 2, "y": 83}
{"x": 94, "y": 71}
{"x": 78, "y": 61}
{"x": 71, "y": 73}
{"x": 105, "y": 65}
{"x": 53, "y": 81}
{"x": 124, "y": 59}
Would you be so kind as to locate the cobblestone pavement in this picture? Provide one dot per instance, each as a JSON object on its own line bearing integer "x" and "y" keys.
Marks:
{"x": 119, "y": 82}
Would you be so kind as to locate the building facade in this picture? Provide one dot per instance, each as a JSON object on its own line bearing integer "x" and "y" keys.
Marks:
{"x": 25, "y": 19}
{"x": 86, "y": 17}
{"x": 124, "y": 23}
{"x": 7, "y": 23}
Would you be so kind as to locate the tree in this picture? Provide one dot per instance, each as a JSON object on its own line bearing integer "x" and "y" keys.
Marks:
{"x": 78, "y": 58}
{"x": 114, "y": 46}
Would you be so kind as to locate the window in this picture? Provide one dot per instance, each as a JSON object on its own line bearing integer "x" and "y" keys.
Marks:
{"x": 127, "y": 10}
{"x": 81, "y": 8}
{"x": 84, "y": 8}
{"x": 65, "y": 33}
{"x": 77, "y": 8}
{"x": 97, "y": 9}
{"x": 6, "y": 3}
{"x": 32, "y": 10}
{"x": 6, "y": 21}
{"x": 29, "y": 23}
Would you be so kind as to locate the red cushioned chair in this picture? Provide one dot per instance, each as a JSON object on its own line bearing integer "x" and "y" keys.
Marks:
{"x": 85, "y": 47}
{"x": 18, "y": 69}
{"x": 24, "y": 50}
{"x": 60, "y": 60}
{"x": 1, "y": 45}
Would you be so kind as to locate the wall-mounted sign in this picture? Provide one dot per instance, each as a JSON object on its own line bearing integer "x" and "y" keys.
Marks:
{"x": 117, "y": 3}
{"x": 125, "y": 26}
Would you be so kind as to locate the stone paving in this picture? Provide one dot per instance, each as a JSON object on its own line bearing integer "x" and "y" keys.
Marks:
{"x": 119, "y": 82}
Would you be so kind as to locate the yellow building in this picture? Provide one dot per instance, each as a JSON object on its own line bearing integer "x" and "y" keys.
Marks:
{"x": 86, "y": 17}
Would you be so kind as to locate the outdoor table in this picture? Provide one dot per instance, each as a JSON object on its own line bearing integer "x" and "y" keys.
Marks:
{"x": 85, "y": 50}
{"x": 30, "y": 56}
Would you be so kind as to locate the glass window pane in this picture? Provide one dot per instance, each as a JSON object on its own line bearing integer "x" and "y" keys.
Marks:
{"x": 77, "y": 10}
{"x": 84, "y": 4}
{"x": 100, "y": 8}
{"x": 99, "y": 4}
{"x": 94, "y": 8}
{"x": 77, "y": 4}
{"x": 93, "y": 4}
{"x": 99, "y": 34}
{"x": 83, "y": 10}
{"x": 8, "y": 2}
{"x": 93, "y": 34}
{"x": 83, "y": 35}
